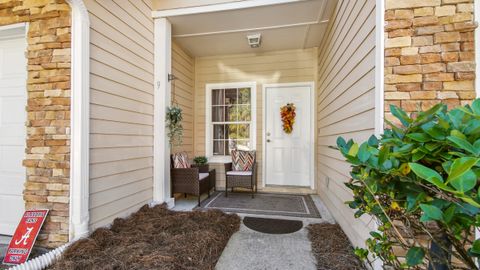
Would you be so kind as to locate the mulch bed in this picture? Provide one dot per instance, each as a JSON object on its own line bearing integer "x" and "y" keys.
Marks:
{"x": 154, "y": 238}
{"x": 332, "y": 249}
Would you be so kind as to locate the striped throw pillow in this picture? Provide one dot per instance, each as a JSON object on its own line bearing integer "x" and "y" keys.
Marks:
{"x": 242, "y": 160}
{"x": 180, "y": 160}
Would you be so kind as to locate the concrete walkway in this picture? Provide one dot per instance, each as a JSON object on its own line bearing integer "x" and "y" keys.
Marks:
{"x": 248, "y": 249}
{"x": 252, "y": 250}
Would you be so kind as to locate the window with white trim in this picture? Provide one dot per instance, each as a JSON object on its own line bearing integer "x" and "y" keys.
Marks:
{"x": 230, "y": 118}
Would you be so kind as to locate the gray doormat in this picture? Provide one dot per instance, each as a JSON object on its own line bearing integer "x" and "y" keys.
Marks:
{"x": 263, "y": 204}
{"x": 272, "y": 225}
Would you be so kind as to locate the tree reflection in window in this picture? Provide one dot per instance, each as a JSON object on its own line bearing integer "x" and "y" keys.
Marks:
{"x": 231, "y": 119}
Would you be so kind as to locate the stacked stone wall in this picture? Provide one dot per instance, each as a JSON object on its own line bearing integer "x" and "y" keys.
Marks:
{"x": 429, "y": 53}
{"x": 47, "y": 160}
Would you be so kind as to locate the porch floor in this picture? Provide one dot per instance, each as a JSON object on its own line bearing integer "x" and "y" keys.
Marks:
{"x": 248, "y": 249}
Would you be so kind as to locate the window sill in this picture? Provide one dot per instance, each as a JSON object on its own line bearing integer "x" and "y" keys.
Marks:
{"x": 219, "y": 159}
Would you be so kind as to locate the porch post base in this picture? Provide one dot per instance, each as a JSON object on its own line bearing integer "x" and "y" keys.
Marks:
{"x": 170, "y": 203}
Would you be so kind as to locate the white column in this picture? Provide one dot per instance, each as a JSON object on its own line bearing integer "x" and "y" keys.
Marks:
{"x": 80, "y": 121}
{"x": 162, "y": 96}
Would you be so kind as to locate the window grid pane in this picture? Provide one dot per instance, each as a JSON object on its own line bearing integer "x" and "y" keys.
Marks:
{"x": 231, "y": 96}
{"x": 231, "y": 116}
{"x": 218, "y": 97}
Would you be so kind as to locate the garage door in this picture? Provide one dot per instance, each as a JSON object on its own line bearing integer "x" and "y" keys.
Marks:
{"x": 13, "y": 97}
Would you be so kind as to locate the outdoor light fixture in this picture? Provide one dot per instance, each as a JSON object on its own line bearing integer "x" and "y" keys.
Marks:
{"x": 171, "y": 77}
{"x": 254, "y": 40}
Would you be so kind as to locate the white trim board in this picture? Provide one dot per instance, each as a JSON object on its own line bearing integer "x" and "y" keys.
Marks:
{"x": 379, "y": 84}
{"x": 379, "y": 67}
{"x": 312, "y": 131}
{"x": 208, "y": 117}
{"x": 219, "y": 7}
{"x": 80, "y": 121}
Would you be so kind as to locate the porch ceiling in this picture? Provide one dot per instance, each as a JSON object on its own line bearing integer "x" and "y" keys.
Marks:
{"x": 295, "y": 24}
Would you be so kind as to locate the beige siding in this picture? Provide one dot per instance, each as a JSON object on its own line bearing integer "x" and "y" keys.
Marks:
{"x": 346, "y": 82}
{"x": 183, "y": 67}
{"x": 272, "y": 67}
{"x": 121, "y": 117}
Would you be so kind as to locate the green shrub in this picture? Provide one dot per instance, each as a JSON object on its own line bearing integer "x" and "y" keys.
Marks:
{"x": 200, "y": 160}
{"x": 420, "y": 180}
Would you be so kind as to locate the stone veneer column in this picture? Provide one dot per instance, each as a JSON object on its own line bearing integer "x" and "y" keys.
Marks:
{"x": 48, "y": 109}
{"x": 429, "y": 53}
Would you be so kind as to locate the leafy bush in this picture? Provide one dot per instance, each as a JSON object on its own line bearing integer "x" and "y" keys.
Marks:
{"x": 200, "y": 160}
{"x": 420, "y": 181}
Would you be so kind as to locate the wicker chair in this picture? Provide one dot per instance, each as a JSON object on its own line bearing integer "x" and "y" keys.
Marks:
{"x": 212, "y": 175}
{"x": 191, "y": 181}
{"x": 243, "y": 179}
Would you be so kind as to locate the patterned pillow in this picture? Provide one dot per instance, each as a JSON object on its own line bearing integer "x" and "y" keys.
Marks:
{"x": 242, "y": 160}
{"x": 180, "y": 160}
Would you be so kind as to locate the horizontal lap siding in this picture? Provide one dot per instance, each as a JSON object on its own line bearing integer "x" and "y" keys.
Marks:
{"x": 121, "y": 112}
{"x": 183, "y": 67}
{"x": 345, "y": 104}
{"x": 263, "y": 68}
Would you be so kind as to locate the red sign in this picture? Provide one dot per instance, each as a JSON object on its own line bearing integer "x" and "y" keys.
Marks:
{"x": 25, "y": 236}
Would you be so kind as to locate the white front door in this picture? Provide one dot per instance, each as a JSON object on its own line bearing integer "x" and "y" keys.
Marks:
{"x": 288, "y": 156}
{"x": 13, "y": 99}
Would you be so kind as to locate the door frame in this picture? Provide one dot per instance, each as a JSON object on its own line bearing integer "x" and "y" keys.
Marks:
{"x": 312, "y": 129}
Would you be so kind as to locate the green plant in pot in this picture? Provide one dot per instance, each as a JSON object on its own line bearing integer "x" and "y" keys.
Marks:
{"x": 420, "y": 181}
{"x": 173, "y": 120}
{"x": 202, "y": 163}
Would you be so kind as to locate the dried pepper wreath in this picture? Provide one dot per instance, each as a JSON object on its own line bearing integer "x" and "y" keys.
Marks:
{"x": 288, "y": 114}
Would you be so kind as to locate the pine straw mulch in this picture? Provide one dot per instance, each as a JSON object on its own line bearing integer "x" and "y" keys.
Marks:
{"x": 154, "y": 238}
{"x": 332, "y": 249}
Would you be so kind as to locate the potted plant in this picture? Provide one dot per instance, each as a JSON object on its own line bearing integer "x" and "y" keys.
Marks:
{"x": 174, "y": 119}
{"x": 202, "y": 163}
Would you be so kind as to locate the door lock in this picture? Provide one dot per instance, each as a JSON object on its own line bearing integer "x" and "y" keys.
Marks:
{"x": 268, "y": 140}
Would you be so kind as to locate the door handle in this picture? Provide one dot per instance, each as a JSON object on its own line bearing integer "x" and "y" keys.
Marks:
{"x": 268, "y": 140}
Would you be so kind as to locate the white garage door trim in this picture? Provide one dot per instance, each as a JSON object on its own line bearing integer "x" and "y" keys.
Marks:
{"x": 15, "y": 37}
{"x": 312, "y": 130}
{"x": 17, "y": 30}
